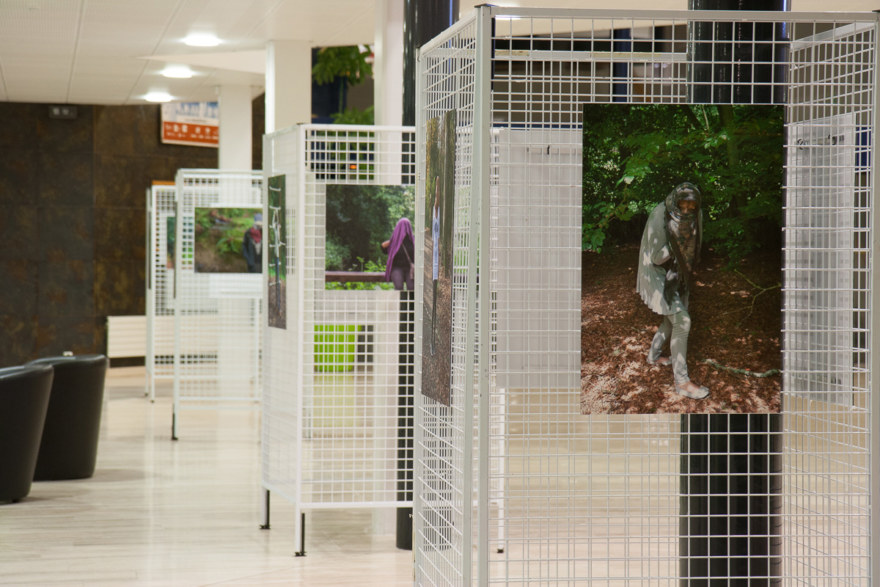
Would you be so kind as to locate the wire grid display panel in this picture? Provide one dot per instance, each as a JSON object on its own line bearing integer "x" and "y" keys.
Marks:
{"x": 352, "y": 355}
{"x": 828, "y": 308}
{"x": 281, "y": 425}
{"x": 444, "y": 464}
{"x": 346, "y": 382}
{"x": 596, "y": 498}
{"x": 162, "y": 207}
{"x": 217, "y": 314}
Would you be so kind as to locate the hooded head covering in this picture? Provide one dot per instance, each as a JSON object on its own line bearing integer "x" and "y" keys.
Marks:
{"x": 402, "y": 231}
{"x": 684, "y": 231}
{"x": 256, "y": 230}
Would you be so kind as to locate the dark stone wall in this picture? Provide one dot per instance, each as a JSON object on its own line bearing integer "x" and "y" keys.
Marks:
{"x": 73, "y": 222}
{"x": 128, "y": 156}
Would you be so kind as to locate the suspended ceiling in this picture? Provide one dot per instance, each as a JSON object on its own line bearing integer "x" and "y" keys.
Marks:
{"x": 112, "y": 51}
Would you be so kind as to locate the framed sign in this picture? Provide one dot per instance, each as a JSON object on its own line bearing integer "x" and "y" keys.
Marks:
{"x": 190, "y": 123}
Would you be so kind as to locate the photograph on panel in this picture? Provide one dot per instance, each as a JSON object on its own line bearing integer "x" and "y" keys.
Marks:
{"x": 170, "y": 239}
{"x": 437, "y": 291}
{"x": 369, "y": 238}
{"x": 681, "y": 283}
{"x": 149, "y": 275}
{"x": 169, "y": 243}
{"x": 277, "y": 261}
{"x": 228, "y": 240}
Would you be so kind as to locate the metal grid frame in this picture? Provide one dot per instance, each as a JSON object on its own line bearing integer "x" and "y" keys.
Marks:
{"x": 828, "y": 318}
{"x": 596, "y": 498}
{"x": 161, "y": 206}
{"x": 445, "y": 449}
{"x": 217, "y": 316}
{"x": 331, "y": 426}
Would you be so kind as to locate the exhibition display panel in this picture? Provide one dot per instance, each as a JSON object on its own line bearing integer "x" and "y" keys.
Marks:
{"x": 338, "y": 338}
{"x": 552, "y": 445}
{"x": 217, "y": 291}
{"x": 161, "y": 217}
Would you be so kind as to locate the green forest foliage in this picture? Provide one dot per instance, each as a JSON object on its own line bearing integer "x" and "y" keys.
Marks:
{"x": 634, "y": 155}
{"x": 231, "y": 223}
{"x": 440, "y": 163}
{"x": 359, "y": 219}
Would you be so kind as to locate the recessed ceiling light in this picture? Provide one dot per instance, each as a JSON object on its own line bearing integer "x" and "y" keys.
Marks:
{"x": 158, "y": 97}
{"x": 178, "y": 71}
{"x": 202, "y": 40}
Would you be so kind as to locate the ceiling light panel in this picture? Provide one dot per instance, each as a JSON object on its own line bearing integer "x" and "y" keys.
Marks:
{"x": 177, "y": 72}
{"x": 158, "y": 97}
{"x": 202, "y": 40}
{"x": 230, "y": 20}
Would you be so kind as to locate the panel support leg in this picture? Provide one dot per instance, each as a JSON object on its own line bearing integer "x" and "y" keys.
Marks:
{"x": 302, "y": 536}
{"x": 266, "y": 497}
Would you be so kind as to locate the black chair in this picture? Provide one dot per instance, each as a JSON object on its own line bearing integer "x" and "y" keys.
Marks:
{"x": 69, "y": 447}
{"x": 24, "y": 400}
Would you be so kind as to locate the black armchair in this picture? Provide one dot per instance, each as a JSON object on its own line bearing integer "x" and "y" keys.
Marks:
{"x": 69, "y": 447}
{"x": 24, "y": 399}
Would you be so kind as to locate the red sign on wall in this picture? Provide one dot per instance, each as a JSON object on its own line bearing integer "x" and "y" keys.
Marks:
{"x": 190, "y": 123}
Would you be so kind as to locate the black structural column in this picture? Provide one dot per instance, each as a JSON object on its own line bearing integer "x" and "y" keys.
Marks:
{"x": 731, "y": 464}
{"x": 738, "y": 62}
{"x": 423, "y": 20}
{"x": 620, "y": 70}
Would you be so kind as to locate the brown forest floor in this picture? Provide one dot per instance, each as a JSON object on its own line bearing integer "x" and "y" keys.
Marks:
{"x": 436, "y": 370}
{"x": 735, "y": 323}
{"x": 209, "y": 260}
{"x": 277, "y": 310}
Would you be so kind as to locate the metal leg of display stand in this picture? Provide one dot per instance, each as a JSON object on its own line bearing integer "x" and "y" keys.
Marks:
{"x": 265, "y": 525}
{"x": 405, "y": 388}
{"x": 302, "y": 536}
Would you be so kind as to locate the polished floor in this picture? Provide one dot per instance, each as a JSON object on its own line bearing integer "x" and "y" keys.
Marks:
{"x": 164, "y": 513}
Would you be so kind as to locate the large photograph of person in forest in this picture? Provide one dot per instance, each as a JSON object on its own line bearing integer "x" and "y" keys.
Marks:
{"x": 437, "y": 255}
{"x": 682, "y": 255}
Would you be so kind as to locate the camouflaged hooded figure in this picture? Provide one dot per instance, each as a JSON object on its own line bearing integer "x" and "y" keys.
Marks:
{"x": 669, "y": 251}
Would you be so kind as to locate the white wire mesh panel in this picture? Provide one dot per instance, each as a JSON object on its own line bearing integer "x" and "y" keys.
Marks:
{"x": 350, "y": 338}
{"x": 536, "y": 300}
{"x": 821, "y": 229}
{"x": 281, "y": 405}
{"x": 218, "y": 307}
{"x": 443, "y": 526}
{"x": 336, "y": 418}
{"x": 598, "y": 499}
{"x": 828, "y": 314}
{"x": 162, "y": 206}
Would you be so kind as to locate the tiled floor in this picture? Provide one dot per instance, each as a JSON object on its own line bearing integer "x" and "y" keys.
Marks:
{"x": 159, "y": 512}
